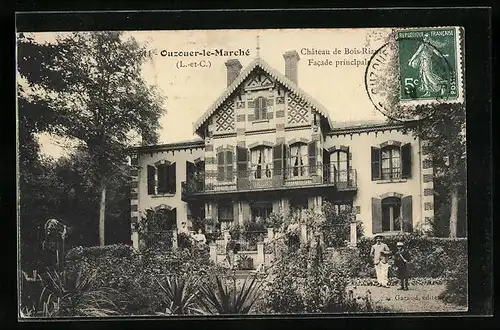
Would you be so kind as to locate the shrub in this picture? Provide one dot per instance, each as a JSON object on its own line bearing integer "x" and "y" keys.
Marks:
{"x": 337, "y": 226}
{"x": 226, "y": 297}
{"x": 72, "y": 294}
{"x": 180, "y": 294}
{"x": 184, "y": 241}
{"x": 300, "y": 283}
{"x": 456, "y": 287}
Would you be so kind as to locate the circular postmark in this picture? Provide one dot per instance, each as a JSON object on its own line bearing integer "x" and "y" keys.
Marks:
{"x": 407, "y": 78}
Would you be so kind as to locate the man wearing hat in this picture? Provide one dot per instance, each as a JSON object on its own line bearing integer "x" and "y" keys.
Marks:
{"x": 379, "y": 252}
{"x": 401, "y": 259}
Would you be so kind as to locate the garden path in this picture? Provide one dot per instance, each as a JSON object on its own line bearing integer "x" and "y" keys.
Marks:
{"x": 419, "y": 298}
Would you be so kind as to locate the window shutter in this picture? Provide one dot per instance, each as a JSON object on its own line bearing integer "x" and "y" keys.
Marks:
{"x": 215, "y": 212}
{"x": 172, "y": 182}
{"x": 278, "y": 160}
{"x": 406, "y": 161}
{"x": 151, "y": 180}
{"x": 312, "y": 157}
{"x": 190, "y": 170}
{"x": 246, "y": 211}
{"x": 257, "y": 105}
{"x": 242, "y": 167}
{"x": 406, "y": 213}
{"x": 286, "y": 156}
{"x": 263, "y": 108}
{"x": 236, "y": 210}
{"x": 376, "y": 215}
{"x": 375, "y": 163}
{"x": 174, "y": 217}
{"x": 229, "y": 166}
{"x": 220, "y": 166}
{"x": 163, "y": 173}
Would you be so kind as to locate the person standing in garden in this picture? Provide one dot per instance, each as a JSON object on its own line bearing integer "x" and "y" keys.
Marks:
{"x": 230, "y": 250}
{"x": 401, "y": 260}
{"x": 379, "y": 253}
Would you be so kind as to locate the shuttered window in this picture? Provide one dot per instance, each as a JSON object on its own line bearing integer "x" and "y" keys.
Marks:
{"x": 392, "y": 214}
{"x": 260, "y": 107}
{"x": 391, "y": 162}
{"x": 162, "y": 179}
{"x": 225, "y": 166}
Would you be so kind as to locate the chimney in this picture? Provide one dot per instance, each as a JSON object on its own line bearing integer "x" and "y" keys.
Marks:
{"x": 291, "y": 59}
{"x": 233, "y": 70}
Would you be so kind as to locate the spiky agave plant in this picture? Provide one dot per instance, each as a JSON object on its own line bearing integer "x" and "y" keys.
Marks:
{"x": 224, "y": 298}
{"x": 180, "y": 294}
{"x": 71, "y": 294}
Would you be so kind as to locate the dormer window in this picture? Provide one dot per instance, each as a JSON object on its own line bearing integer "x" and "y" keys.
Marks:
{"x": 260, "y": 108}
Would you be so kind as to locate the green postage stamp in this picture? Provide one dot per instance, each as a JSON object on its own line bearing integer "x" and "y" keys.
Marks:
{"x": 430, "y": 64}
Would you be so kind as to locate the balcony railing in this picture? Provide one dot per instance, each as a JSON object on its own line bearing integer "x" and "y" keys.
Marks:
{"x": 265, "y": 177}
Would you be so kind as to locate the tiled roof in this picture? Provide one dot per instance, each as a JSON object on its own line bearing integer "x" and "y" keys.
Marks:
{"x": 273, "y": 73}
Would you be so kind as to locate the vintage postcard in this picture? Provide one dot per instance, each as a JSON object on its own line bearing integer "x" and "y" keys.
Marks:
{"x": 235, "y": 172}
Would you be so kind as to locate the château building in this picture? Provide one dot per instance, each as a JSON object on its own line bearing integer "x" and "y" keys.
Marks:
{"x": 266, "y": 146}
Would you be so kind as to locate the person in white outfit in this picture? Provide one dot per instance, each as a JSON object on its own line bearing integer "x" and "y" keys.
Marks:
{"x": 379, "y": 252}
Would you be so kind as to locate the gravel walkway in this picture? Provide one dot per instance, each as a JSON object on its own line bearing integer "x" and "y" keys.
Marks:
{"x": 419, "y": 298}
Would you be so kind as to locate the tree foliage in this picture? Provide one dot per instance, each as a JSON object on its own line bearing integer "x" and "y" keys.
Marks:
{"x": 87, "y": 86}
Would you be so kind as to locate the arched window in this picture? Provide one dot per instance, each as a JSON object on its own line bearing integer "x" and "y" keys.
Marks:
{"x": 391, "y": 214}
{"x": 298, "y": 158}
{"x": 391, "y": 162}
{"x": 262, "y": 158}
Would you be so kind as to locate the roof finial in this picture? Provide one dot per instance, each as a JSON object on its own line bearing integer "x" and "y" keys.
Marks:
{"x": 258, "y": 47}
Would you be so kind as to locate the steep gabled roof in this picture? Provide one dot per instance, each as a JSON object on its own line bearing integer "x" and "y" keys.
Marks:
{"x": 258, "y": 62}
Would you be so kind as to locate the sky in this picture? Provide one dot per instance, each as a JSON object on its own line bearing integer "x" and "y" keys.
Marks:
{"x": 190, "y": 91}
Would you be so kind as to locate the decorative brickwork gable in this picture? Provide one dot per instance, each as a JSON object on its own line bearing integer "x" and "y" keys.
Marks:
{"x": 225, "y": 118}
{"x": 298, "y": 110}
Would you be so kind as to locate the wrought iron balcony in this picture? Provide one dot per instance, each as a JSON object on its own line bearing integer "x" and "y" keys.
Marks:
{"x": 267, "y": 178}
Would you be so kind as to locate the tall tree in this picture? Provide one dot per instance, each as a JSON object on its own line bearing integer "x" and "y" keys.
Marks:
{"x": 92, "y": 83}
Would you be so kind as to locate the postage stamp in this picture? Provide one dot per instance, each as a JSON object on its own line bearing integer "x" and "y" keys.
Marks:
{"x": 416, "y": 69}
{"x": 428, "y": 64}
